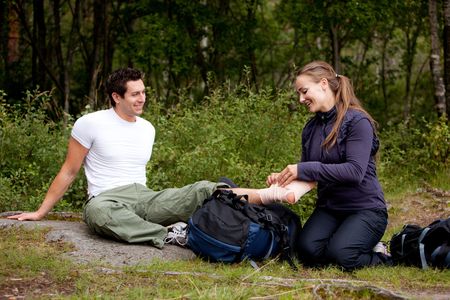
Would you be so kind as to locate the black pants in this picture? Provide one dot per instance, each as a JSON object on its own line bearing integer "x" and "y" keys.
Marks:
{"x": 343, "y": 238}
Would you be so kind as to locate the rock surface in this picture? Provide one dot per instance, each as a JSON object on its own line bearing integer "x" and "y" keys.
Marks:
{"x": 92, "y": 248}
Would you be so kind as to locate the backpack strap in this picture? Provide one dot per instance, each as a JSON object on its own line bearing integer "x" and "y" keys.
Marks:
{"x": 423, "y": 259}
{"x": 283, "y": 233}
{"x": 260, "y": 215}
{"x": 273, "y": 222}
{"x": 441, "y": 256}
{"x": 402, "y": 251}
{"x": 229, "y": 198}
{"x": 215, "y": 195}
{"x": 271, "y": 246}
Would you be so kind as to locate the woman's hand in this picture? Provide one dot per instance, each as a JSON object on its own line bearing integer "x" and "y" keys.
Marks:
{"x": 272, "y": 179}
{"x": 287, "y": 175}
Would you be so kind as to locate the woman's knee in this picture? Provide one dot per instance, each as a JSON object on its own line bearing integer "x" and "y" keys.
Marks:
{"x": 346, "y": 257}
{"x": 309, "y": 248}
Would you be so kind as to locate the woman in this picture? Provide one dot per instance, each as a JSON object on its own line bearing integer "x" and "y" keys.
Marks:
{"x": 338, "y": 148}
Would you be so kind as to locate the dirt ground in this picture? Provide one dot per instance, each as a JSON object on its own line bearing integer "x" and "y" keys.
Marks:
{"x": 420, "y": 208}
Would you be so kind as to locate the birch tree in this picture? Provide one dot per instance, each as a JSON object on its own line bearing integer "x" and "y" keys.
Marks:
{"x": 435, "y": 59}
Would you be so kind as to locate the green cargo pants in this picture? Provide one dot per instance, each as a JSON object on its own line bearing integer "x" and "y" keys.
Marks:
{"x": 135, "y": 213}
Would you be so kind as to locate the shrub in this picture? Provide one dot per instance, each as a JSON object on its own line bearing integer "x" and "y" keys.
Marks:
{"x": 32, "y": 149}
{"x": 415, "y": 153}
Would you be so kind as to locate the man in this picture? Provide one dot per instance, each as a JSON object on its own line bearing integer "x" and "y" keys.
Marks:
{"x": 115, "y": 146}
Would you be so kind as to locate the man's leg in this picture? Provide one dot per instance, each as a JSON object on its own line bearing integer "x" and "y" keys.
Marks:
{"x": 113, "y": 214}
{"x": 174, "y": 204}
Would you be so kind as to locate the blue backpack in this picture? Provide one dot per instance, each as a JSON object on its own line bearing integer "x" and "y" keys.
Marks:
{"x": 227, "y": 228}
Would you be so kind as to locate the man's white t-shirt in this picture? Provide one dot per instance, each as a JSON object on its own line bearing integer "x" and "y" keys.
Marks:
{"x": 118, "y": 150}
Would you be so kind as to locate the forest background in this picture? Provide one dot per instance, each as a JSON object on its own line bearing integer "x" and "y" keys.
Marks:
{"x": 219, "y": 76}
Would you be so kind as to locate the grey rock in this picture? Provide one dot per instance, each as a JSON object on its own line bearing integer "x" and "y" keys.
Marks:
{"x": 92, "y": 248}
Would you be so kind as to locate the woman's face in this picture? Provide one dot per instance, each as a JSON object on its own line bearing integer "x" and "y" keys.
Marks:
{"x": 317, "y": 96}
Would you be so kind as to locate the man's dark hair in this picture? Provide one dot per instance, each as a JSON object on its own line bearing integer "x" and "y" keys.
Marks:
{"x": 117, "y": 81}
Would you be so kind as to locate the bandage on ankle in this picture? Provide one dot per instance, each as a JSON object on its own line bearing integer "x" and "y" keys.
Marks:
{"x": 275, "y": 193}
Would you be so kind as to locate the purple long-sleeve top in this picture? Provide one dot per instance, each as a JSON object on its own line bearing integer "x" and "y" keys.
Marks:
{"x": 346, "y": 172}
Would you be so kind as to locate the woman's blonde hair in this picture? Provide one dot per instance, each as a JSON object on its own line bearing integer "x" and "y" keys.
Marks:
{"x": 342, "y": 88}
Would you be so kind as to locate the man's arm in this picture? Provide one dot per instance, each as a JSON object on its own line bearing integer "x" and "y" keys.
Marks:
{"x": 69, "y": 170}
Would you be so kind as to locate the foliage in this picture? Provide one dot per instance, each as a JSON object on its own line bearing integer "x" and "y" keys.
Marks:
{"x": 236, "y": 132}
{"x": 32, "y": 149}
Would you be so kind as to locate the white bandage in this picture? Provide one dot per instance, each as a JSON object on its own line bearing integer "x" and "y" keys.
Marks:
{"x": 275, "y": 193}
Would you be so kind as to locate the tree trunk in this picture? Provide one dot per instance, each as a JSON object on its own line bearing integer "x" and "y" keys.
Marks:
{"x": 223, "y": 11}
{"x": 4, "y": 39}
{"x": 361, "y": 67}
{"x": 39, "y": 37}
{"x": 42, "y": 66}
{"x": 64, "y": 62}
{"x": 251, "y": 21}
{"x": 447, "y": 53}
{"x": 410, "y": 53}
{"x": 95, "y": 67}
{"x": 408, "y": 75}
{"x": 202, "y": 45}
{"x": 58, "y": 51}
{"x": 108, "y": 52}
{"x": 383, "y": 73}
{"x": 435, "y": 59}
{"x": 336, "y": 54}
{"x": 12, "y": 40}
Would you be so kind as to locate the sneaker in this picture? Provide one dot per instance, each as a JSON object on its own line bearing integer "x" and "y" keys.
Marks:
{"x": 228, "y": 182}
{"x": 381, "y": 247}
{"x": 176, "y": 234}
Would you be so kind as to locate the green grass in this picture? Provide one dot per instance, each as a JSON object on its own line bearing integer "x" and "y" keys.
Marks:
{"x": 29, "y": 262}
{"x": 441, "y": 178}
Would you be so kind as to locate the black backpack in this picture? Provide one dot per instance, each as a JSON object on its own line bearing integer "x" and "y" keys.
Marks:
{"x": 227, "y": 228}
{"x": 422, "y": 246}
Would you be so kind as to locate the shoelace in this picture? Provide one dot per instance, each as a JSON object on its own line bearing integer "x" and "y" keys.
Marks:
{"x": 177, "y": 235}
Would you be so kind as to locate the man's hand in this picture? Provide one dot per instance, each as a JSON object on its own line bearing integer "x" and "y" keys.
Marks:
{"x": 272, "y": 179}
{"x": 32, "y": 216}
{"x": 287, "y": 175}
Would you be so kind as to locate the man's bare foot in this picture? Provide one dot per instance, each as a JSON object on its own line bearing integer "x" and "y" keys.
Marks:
{"x": 290, "y": 197}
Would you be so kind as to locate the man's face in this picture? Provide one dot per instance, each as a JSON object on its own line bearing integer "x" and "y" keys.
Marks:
{"x": 132, "y": 103}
